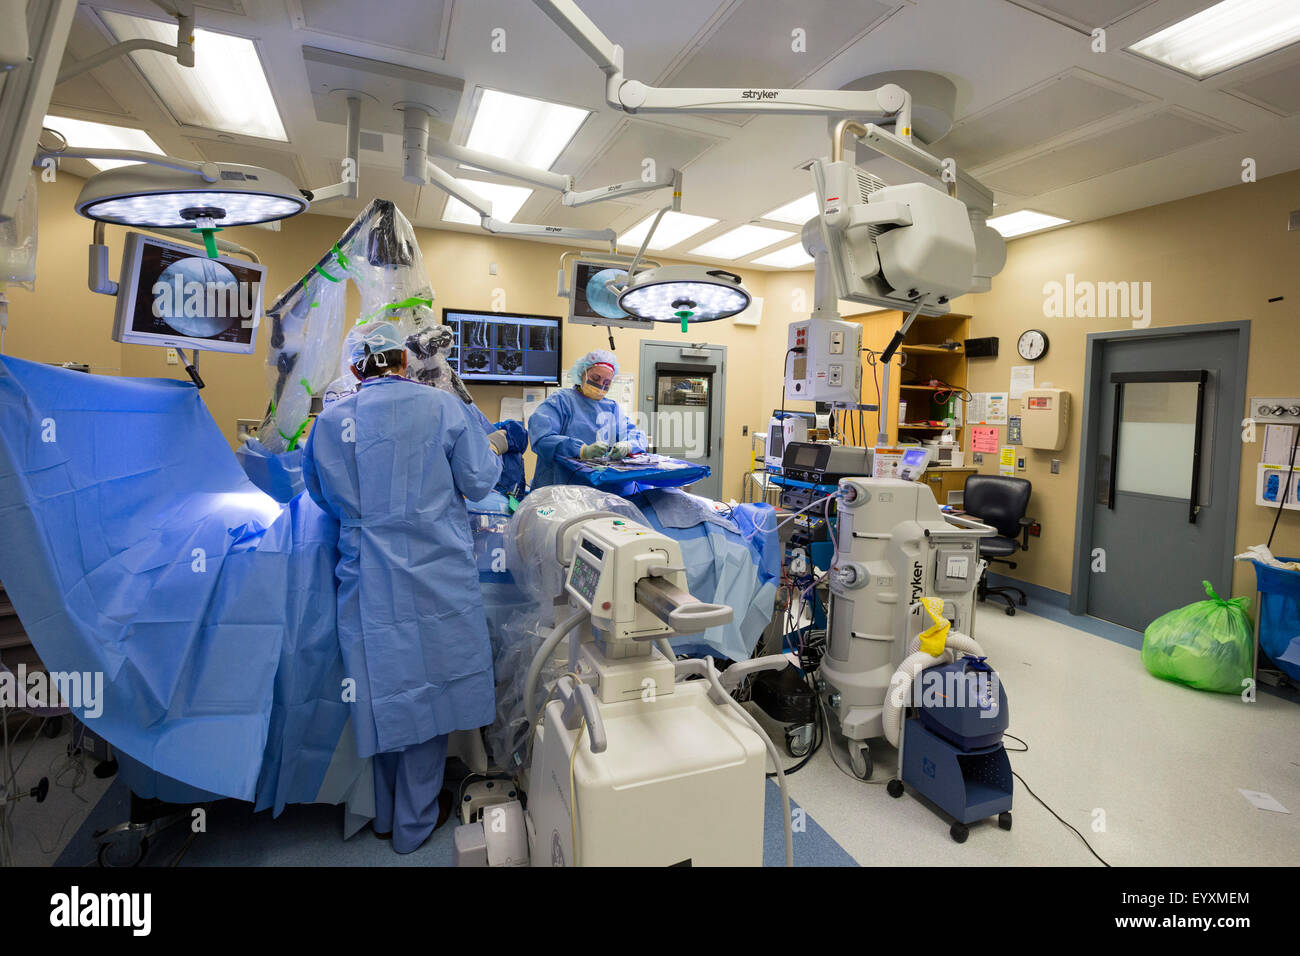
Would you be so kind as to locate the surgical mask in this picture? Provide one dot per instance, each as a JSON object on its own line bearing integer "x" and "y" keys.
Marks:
{"x": 594, "y": 392}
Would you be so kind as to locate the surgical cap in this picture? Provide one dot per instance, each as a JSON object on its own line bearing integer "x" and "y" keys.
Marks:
{"x": 372, "y": 337}
{"x": 594, "y": 357}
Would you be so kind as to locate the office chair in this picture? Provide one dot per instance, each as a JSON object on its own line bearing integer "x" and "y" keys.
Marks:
{"x": 1001, "y": 502}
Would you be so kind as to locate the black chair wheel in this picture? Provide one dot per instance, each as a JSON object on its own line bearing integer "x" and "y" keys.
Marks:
{"x": 1004, "y": 820}
{"x": 1011, "y": 611}
{"x": 894, "y": 788}
{"x": 123, "y": 852}
{"x": 959, "y": 832}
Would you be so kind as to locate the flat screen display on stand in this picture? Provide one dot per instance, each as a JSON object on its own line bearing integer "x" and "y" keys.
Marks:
{"x": 504, "y": 348}
{"x": 172, "y": 294}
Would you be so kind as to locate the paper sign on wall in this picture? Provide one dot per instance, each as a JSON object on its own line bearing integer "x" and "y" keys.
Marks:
{"x": 989, "y": 408}
{"x": 984, "y": 440}
{"x": 1007, "y": 461}
{"x": 1022, "y": 378}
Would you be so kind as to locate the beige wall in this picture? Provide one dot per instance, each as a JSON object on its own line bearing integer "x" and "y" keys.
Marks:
{"x": 64, "y": 322}
{"x": 1210, "y": 258}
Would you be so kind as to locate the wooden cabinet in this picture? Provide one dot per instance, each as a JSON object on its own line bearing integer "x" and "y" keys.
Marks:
{"x": 927, "y": 359}
{"x": 943, "y": 480}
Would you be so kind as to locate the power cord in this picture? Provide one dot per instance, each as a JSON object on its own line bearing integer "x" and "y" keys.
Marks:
{"x": 1048, "y": 808}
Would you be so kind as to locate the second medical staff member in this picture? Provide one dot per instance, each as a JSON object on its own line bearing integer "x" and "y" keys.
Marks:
{"x": 394, "y": 462}
{"x": 581, "y": 422}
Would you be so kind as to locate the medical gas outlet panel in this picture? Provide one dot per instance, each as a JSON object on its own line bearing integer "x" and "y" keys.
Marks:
{"x": 824, "y": 361}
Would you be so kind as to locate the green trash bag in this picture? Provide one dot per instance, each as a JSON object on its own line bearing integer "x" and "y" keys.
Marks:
{"x": 1209, "y": 645}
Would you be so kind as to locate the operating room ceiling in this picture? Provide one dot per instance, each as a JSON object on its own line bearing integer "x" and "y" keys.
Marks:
{"x": 1044, "y": 120}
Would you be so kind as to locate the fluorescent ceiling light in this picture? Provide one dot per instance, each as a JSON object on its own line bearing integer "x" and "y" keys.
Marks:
{"x": 1024, "y": 221}
{"x": 520, "y": 128}
{"x": 84, "y": 134}
{"x": 797, "y": 212}
{"x": 1224, "y": 35}
{"x": 675, "y": 227}
{"x": 788, "y": 258}
{"x": 506, "y": 202}
{"x": 225, "y": 90}
{"x": 740, "y": 241}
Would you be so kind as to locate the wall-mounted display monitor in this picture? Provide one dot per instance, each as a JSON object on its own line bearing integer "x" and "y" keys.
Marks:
{"x": 504, "y": 348}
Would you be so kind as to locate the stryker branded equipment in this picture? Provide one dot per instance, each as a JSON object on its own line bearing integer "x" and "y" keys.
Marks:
{"x": 893, "y": 547}
{"x": 821, "y": 464}
{"x": 631, "y": 764}
{"x": 781, "y": 431}
{"x": 824, "y": 361}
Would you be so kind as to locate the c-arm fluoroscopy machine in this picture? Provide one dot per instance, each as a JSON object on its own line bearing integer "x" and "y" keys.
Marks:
{"x": 631, "y": 763}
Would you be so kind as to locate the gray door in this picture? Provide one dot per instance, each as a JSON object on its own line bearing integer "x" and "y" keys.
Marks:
{"x": 1161, "y": 467}
{"x": 680, "y": 397}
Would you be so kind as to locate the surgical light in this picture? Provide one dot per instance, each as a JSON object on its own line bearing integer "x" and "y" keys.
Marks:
{"x": 673, "y": 228}
{"x": 146, "y": 195}
{"x": 684, "y": 294}
{"x": 796, "y": 212}
{"x": 87, "y": 135}
{"x": 225, "y": 90}
{"x": 1223, "y": 36}
{"x": 1023, "y": 222}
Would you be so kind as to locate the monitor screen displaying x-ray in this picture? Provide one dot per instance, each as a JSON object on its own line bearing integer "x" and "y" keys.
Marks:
{"x": 172, "y": 294}
{"x": 504, "y": 348}
{"x": 592, "y": 302}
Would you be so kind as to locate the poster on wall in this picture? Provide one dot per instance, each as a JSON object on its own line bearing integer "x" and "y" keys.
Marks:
{"x": 1022, "y": 378}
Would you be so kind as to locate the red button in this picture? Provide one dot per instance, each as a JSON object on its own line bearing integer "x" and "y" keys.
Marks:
{"x": 605, "y": 606}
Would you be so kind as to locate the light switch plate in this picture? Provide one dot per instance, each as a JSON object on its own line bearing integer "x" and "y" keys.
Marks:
{"x": 1020, "y": 464}
{"x": 977, "y": 457}
{"x": 1056, "y": 466}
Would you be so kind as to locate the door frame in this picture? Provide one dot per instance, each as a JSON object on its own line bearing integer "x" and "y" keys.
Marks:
{"x": 720, "y": 390}
{"x": 1081, "y": 576}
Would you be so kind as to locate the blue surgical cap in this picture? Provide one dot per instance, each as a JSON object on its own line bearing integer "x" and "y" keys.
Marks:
{"x": 372, "y": 337}
{"x": 594, "y": 357}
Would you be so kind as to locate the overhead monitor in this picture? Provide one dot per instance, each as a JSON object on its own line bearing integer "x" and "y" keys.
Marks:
{"x": 590, "y": 300}
{"x": 504, "y": 348}
{"x": 172, "y": 294}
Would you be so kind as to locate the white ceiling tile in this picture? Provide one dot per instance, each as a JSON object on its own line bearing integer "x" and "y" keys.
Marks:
{"x": 1141, "y": 141}
{"x": 620, "y": 158}
{"x": 413, "y": 27}
{"x": 1064, "y": 103}
{"x": 1277, "y": 90}
{"x": 1084, "y": 14}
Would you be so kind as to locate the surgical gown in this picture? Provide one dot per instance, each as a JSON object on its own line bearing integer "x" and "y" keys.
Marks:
{"x": 566, "y": 421}
{"x": 394, "y": 462}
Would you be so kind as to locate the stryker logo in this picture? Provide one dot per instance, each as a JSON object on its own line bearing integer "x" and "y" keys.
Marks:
{"x": 612, "y": 189}
{"x": 103, "y": 909}
{"x": 758, "y": 94}
{"x": 555, "y": 229}
{"x": 917, "y": 574}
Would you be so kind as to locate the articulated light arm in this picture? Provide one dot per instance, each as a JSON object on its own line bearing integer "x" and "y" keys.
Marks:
{"x": 632, "y": 96}
{"x": 348, "y": 187}
{"x": 208, "y": 172}
{"x": 183, "y": 50}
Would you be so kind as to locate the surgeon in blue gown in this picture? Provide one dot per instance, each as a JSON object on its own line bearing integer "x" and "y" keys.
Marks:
{"x": 394, "y": 462}
{"x": 581, "y": 422}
